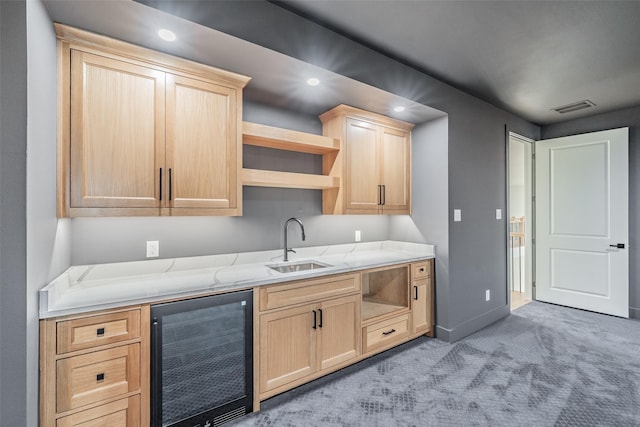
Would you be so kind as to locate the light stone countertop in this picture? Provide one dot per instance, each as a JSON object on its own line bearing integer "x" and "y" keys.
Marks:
{"x": 96, "y": 287}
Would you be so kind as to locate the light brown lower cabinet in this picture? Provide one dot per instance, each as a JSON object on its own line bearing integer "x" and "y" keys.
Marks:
{"x": 309, "y": 328}
{"x": 422, "y": 298}
{"x": 94, "y": 369}
{"x": 297, "y": 343}
{"x": 419, "y": 309}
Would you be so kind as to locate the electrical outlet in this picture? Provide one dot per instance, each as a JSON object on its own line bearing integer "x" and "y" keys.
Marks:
{"x": 358, "y": 236}
{"x": 498, "y": 213}
{"x": 487, "y": 295}
{"x": 153, "y": 248}
{"x": 457, "y": 215}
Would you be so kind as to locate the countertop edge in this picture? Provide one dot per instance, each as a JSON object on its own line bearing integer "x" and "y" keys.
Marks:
{"x": 220, "y": 288}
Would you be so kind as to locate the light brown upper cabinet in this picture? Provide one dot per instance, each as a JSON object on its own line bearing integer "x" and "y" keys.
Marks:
{"x": 374, "y": 164}
{"x": 144, "y": 133}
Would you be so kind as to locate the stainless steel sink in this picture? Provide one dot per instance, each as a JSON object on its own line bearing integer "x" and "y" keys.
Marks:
{"x": 292, "y": 267}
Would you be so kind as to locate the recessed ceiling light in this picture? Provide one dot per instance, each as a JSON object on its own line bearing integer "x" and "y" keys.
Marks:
{"x": 313, "y": 81}
{"x": 398, "y": 109}
{"x": 167, "y": 35}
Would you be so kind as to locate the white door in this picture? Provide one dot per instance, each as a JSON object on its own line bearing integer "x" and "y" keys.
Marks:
{"x": 582, "y": 214}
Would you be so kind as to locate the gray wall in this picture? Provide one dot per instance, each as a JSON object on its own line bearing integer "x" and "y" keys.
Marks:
{"x": 630, "y": 118}
{"x": 13, "y": 145}
{"x": 47, "y": 240}
{"x": 430, "y": 200}
{"x": 476, "y": 155}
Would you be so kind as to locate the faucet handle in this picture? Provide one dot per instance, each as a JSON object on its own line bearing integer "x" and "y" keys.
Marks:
{"x": 291, "y": 250}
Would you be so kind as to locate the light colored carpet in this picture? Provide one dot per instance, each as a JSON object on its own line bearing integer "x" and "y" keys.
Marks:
{"x": 544, "y": 365}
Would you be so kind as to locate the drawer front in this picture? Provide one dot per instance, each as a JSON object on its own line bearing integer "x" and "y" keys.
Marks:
{"x": 93, "y": 331}
{"x": 307, "y": 291}
{"x": 421, "y": 270}
{"x": 121, "y": 413}
{"x": 385, "y": 332}
{"x": 81, "y": 380}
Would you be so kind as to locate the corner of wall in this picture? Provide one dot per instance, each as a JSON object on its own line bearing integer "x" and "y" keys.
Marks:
{"x": 474, "y": 325}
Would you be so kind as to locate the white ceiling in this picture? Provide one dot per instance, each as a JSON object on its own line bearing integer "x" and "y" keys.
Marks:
{"x": 276, "y": 79}
{"x": 524, "y": 56}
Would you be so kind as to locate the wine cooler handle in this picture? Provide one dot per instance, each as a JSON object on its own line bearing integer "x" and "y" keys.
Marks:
{"x": 156, "y": 417}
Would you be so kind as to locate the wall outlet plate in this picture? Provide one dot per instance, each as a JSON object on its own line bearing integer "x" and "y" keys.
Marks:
{"x": 487, "y": 295}
{"x": 358, "y": 236}
{"x": 153, "y": 248}
{"x": 498, "y": 213}
{"x": 457, "y": 215}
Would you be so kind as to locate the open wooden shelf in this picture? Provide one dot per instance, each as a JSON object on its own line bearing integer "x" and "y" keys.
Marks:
{"x": 371, "y": 308}
{"x": 290, "y": 140}
{"x": 285, "y": 139}
{"x": 267, "y": 178}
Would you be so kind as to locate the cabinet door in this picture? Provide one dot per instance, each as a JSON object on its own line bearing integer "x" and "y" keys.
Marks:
{"x": 422, "y": 305}
{"x": 362, "y": 172}
{"x": 117, "y": 133}
{"x": 419, "y": 305}
{"x": 339, "y": 331}
{"x": 287, "y": 346}
{"x": 202, "y": 144}
{"x": 396, "y": 171}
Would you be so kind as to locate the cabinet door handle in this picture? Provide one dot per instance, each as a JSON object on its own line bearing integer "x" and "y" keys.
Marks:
{"x": 100, "y": 377}
{"x": 384, "y": 195}
{"x": 415, "y": 296}
{"x": 160, "y": 184}
{"x": 170, "y": 184}
{"x": 320, "y": 324}
{"x": 389, "y": 332}
{"x": 315, "y": 320}
{"x": 379, "y": 194}
{"x": 100, "y": 332}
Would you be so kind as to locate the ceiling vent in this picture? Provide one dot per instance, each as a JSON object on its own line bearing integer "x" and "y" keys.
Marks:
{"x": 580, "y": 105}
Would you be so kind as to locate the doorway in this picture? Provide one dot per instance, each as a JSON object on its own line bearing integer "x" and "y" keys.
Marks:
{"x": 520, "y": 214}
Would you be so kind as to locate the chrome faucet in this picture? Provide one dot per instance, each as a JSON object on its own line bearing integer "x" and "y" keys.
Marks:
{"x": 286, "y": 247}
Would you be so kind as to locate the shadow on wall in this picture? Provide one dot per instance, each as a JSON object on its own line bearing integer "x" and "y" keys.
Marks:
{"x": 103, "y": 240}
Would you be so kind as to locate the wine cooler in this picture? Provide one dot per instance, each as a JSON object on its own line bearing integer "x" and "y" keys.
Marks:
{"x": 202, "y": 360}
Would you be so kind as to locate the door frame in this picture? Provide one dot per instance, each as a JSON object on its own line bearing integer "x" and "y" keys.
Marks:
{"x": 532, "y": 226}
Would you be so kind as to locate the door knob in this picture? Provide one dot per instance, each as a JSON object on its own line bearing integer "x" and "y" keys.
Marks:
{"x": 618, "y": 245}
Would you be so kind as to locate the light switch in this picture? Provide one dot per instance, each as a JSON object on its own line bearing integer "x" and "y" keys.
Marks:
{"x": 457, "y": 215}
{"x": 498, "y": 213}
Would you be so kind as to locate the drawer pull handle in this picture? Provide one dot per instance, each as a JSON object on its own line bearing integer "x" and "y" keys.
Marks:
{"x": 100, "y": 332}
{"x": 100, "y": 377}
{"x": 389, "y": 332}
{"x": 421, "y": 269}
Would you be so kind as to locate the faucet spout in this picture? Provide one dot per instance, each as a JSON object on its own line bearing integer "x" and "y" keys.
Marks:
{"x": 286, "y": 246}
